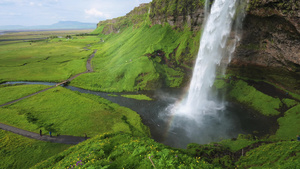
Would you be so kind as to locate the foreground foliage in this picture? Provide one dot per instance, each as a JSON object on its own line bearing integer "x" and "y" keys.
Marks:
{"x": 121, "y": 150}
{"x": 21, "y": 152}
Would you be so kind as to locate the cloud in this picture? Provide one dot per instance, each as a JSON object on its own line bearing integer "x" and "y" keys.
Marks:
{"x": 95, "y": 13}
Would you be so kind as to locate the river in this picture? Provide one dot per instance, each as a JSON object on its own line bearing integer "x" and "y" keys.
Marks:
{"x": 236, "y": 119}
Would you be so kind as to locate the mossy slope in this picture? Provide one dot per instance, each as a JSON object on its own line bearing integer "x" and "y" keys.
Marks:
{"x": 140, "y": 58}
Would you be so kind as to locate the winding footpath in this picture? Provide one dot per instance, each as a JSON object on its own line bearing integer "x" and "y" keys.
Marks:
{"x": 55, "y": 139}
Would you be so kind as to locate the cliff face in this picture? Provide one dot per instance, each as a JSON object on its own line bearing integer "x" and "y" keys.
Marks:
{"x": 271, "y": 28}
{"x": 271, "y": 35}
{"x": 178, "y": 13}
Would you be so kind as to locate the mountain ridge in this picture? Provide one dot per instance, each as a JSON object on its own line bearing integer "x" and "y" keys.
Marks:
{"x": 58, "y": 25}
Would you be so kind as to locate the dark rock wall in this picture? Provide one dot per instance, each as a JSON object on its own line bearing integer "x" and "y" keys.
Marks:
{"x": 271, "y": 36}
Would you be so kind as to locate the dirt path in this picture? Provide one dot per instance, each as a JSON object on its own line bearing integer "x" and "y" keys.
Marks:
{"x": 54, "y": 139}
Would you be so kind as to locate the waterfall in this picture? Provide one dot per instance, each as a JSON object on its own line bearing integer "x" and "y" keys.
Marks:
{"x": 200, "y": 114}
{"x": 213, "y": 46}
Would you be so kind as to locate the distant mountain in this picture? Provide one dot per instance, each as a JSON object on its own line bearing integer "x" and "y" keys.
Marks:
{"x": 59, "y": 25}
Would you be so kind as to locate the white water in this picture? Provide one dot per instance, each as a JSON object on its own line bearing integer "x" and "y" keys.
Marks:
{"x": 200, "y": 117}
{"x": 213, "y": 46}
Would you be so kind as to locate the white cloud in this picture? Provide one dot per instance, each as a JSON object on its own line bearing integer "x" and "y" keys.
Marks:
{"x": 95, "y": 13}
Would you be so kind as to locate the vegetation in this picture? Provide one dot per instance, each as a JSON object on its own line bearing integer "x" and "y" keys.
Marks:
{"x": 64, "y": 112}
{"x": 244, "y": 93}
{"x": 152, "y": 63}
{"x": 133, "y": 54}
{"x": 21, "y": 152}
{"x": 52, "y": 60}
{"x": 10, "y": 93}
{"x": 274, "y": 155}
{"x": 123, "y": 151}
{"x": 289, "y": 127}
{"x": 137, "y": 97}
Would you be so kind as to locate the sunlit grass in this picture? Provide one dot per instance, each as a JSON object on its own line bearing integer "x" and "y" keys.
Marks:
{"x": 129, "y": 61}
{"x": 137, "y": 97}
{"x": 65, "y": 112}
{"x": 10, "y": 93}
{"x": 55, "y": 60}
{"x": 123, "y": 151}
{"x": 21, "y": 152}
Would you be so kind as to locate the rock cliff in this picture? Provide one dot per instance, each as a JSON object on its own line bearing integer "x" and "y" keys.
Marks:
{"x": 271, "y": 28}
{"x": 271, "y": 35}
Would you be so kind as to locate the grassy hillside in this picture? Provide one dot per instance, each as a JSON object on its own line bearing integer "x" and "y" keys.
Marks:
{"x": 65, "y": 112}
{"x": 140, "y": 58}
{"x": 10, "y": 93}
{"x": 126, "y": 151}
{"x": 21, "y": 152}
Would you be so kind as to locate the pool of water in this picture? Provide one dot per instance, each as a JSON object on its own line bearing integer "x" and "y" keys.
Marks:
{"x": 179, "y": 131}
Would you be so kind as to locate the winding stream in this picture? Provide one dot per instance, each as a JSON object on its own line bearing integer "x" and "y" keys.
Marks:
{"x": 240, "y": 120}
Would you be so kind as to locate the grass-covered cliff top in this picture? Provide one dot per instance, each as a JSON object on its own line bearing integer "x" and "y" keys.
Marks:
{"x": 126, "y": 151}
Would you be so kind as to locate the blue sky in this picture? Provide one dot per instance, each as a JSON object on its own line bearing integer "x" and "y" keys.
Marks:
{"x": 46, "y": 12}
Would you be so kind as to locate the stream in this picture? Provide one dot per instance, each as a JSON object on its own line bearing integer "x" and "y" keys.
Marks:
{"x": 235, "y": 119}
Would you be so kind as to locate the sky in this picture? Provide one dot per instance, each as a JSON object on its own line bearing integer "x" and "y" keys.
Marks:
{"x": 47, "y": 12}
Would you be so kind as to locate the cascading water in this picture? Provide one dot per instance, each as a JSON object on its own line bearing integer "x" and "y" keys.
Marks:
{"x": 199, "y": 115}
{"x": 212, "y": 48}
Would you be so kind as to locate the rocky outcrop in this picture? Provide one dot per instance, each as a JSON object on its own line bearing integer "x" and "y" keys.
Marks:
{"x": 271, "y": 28}
{"x": 271, "y": 35}
{"x": 137, "y": 15}
{"x": 178, "y": 13}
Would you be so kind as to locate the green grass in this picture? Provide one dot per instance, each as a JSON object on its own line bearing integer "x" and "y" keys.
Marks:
{"x": 55, "y": 60}
{"x": 248, "y": 95}
{"x": 137, "y": 97}
{"x": 120, "y": 150}
{"x": 237, "y": 144}
{"x": 123, "y": 151}
{"x": 134, "y": 59}
{"x": 275, "y": 155}
{"x": 65, "y": 112}
{"x": 289, "y": 102}
{"x": 21, "y": 152}
{"x": 289, "y": 124}
{"x": 10, "y": 93}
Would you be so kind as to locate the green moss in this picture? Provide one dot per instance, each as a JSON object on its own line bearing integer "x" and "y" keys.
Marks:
{"x": 289, "y": 102}
{"x": 289, "y": 124}
{"x": 248, "y": 95}
{"x": 137, "y": 97}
